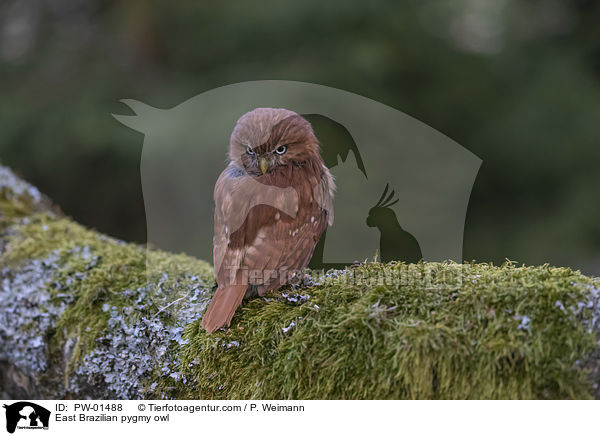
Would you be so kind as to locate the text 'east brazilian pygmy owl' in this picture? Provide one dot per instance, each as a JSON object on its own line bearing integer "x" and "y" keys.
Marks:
{"x": 272, "y": 203}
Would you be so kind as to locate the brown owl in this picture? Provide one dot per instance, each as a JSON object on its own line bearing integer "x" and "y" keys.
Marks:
{"x": 272, "y": 203}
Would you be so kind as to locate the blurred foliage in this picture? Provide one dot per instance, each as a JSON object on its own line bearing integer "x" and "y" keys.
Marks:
{"x": 515, "y": 82}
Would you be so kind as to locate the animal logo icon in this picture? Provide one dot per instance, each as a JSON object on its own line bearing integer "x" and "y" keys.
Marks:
{"x": 26, "y": 415}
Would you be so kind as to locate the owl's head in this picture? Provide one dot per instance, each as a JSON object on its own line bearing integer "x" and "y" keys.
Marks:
{"x": 266, "y": 138}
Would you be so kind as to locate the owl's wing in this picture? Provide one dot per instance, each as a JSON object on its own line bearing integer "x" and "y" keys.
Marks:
{"x": 282, "y": 242}
{"x": 236, "y": 195}
{"x": 237, "y": 198}
{"x": 283, "y": 247}
{"x": 323, "y": 193}
{"x": 280, "y": 229}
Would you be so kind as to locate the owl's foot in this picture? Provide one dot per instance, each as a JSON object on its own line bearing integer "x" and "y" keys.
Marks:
{"x": 251, "y": 292}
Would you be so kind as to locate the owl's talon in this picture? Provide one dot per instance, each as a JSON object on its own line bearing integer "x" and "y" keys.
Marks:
{"x": 251, "y": 292}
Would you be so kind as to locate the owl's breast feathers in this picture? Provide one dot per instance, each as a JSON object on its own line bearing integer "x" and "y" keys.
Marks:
{"x": 265, "y": 228}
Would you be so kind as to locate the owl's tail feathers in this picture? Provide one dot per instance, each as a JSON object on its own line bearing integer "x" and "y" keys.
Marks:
{"x": 223, "y": 306}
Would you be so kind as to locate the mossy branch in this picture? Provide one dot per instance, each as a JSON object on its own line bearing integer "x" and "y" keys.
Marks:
{"x": 83, "y": 315}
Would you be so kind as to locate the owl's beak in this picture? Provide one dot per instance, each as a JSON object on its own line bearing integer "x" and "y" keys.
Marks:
{"x": 263, "y": 163}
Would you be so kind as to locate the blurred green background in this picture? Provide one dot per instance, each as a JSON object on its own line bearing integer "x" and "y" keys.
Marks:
{"x": 515, "y": 82}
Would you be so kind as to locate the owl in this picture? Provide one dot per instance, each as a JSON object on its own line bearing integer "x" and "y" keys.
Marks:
{"x": 272, "y": 203}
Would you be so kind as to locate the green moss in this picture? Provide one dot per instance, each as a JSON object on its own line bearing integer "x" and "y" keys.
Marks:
{"x": 96, "y": 279}
{"x": 447, "y": 331}
{"x": 15, "y": 207}
{"x": 431, "y": 330}
{"x": 377, "y": 331}
{"x": 18, "y": 199}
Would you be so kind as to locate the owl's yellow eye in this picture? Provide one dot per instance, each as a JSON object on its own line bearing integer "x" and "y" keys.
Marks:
{"x": 281, "y": 149}
{"x": 249, "y": 151}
